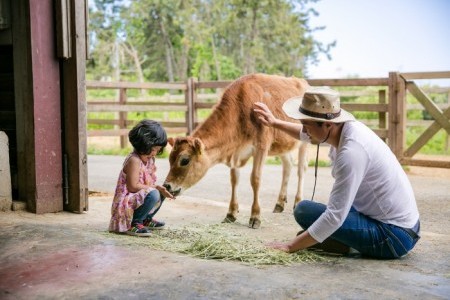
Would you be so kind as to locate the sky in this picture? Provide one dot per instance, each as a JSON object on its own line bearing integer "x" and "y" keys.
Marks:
{"x": 375, "y": 37}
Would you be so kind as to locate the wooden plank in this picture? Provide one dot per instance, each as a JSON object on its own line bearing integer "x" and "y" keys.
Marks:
{"x": 401, "y": 105}
{"x": 425, "y": 163}
{"x": 101, "y": 102}
{"x": 189, "y": 101}
{"x": 75, "y": 113}
{"x": 425, "y": 136}
{"x": 108, "y": 132}
{"x": 355, "y": 94}
{"x": 124, "y": 132}
{"x": 382, "y": 133}
{"x": 372, "y": 107}
{"x": 123, "y": 116}
{"x": 203, "y": 105}
{"x": 393, "y": 114}
{"x": 37, "y": 100}
{"x": 135, "y": 85}
{"x": 23, "y": 90}
{"x": 212, "y": 84}
{"x": 131, "y": 103}
{"x": 425, "y": 75}
{"x": 382, "y": 115}
{"x": 429, "y": 105}
{"x": 128, "y": 108}
{"x": 63, "y": 29}
{"x": 133, "y": 122}
{"x": 349, "y": 82}
{"x": 104, "y": 122}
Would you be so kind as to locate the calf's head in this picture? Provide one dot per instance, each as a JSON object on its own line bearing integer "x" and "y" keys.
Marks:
{"x": 188, "y": 163}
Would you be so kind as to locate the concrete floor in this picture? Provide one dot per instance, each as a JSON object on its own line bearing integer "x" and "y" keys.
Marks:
{"x": 66, "y": 256}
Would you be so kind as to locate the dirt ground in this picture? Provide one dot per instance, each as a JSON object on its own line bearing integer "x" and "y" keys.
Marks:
{"x": 66, "y": 255}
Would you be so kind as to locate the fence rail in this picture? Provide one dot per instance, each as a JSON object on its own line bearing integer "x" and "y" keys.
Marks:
{"x": 190, "y": 97}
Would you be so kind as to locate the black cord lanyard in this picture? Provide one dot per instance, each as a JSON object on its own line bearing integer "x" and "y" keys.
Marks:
{"x": 315, "y": 172}
{"x": 317, "y": 163}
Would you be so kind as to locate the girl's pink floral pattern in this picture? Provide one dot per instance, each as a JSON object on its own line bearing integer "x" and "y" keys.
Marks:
{"x": 125, "y": 202}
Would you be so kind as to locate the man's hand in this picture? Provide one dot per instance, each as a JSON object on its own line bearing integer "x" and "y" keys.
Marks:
{"x": 301, "y": 241}
{"x": 278, "y": 246}
{"x": 264, "y": 114}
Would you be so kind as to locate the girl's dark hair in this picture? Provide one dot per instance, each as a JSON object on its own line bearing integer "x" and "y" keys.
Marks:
{"x": 147, "y": 134}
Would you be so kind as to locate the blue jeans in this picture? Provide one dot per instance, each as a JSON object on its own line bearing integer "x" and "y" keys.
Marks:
{"x": 370, "y": 237}
{"x": 143, "y": 211}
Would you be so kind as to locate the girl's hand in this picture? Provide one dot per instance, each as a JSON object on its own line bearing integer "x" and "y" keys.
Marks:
{"x": 165, "y": 192}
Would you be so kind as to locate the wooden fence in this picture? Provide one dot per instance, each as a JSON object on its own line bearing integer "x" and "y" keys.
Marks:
{"x": 192, "y": 96}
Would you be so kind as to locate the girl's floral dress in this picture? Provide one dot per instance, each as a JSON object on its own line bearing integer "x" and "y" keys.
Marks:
{"x": 125, "y": 202}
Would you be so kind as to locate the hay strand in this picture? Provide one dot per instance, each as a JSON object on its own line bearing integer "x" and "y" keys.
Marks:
{"x": 221, "y": 243}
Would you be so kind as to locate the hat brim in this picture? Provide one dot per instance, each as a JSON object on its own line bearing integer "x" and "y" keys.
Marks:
{"x": 290, "y": 108}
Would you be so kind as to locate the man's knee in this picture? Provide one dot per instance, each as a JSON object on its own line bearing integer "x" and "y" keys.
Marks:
{"x": 302, "y": 213}
{"x": 307, "y": 212}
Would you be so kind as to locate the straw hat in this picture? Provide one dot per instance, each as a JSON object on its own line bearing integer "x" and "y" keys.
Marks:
{"x": 319, "y": 104}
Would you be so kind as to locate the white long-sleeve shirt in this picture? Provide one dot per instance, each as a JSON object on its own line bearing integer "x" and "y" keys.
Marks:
{"x": 368, "y": 177}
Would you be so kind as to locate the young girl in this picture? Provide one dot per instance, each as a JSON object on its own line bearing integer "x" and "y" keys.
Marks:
{"x": 137, "y": 198}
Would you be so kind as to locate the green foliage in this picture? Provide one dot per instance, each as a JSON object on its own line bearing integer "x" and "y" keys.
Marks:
{"x": 275, "y": 160}
{"x": 171, "y": 40}
{"x": 436, "y": 145}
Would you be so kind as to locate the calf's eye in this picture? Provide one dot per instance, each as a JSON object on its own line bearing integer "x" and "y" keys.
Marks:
{"x": 184, "y": 162}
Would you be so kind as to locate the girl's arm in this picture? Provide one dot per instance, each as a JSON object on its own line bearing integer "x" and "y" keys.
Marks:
{"x": 164, "y": 192}
{"x": 131, "y": 169}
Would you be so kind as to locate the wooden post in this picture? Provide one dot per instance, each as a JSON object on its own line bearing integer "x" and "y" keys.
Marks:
{"x": 397, "y": 114}
{"x": 393, "y": 118}
{"x": 187, "y": 96}
{"x": 194, "y": 102}
{"x": 382, "y": 115}
{"x": 401, "y": 110}
{"x": 190, "y": 86}
{"x": 447, "y": 139}
{"x": 37, "y": 106}
{"x": 123, "y": 117}
{"x": 75, "y": 112}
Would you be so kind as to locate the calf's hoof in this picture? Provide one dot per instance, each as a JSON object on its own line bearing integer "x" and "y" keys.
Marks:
{"x": 229, "y": 219}
{"x": 278, "y": 208}
{"x": 254, "y": 223}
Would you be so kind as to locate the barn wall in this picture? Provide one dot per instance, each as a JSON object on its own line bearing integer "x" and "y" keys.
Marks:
{"x": 37, "y": 103}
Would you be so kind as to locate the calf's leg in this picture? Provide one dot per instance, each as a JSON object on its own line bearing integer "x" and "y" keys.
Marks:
{"x": 233, "y": 208}
{"x": 282, "y": 197}
{"x": 258, "y": 160}
{"x": 302, "y": 166}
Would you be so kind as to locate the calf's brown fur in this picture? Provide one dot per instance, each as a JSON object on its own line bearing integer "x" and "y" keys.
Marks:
{"x": 232, "y": 134}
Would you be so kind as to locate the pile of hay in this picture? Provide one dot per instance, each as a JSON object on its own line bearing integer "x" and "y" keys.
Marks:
{"x": 219, "y": 242}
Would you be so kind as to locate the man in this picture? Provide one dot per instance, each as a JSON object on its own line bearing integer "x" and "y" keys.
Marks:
{"x": 372, "y": 208}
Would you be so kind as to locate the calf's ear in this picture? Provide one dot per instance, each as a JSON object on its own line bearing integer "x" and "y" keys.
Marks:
{"x": 171, "y": 142}
{"x": 198, "y": 146}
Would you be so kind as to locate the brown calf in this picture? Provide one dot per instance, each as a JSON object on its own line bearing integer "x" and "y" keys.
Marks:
{"x": 232, "y": 134}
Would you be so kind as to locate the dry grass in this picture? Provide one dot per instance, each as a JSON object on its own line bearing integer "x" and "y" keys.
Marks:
{"x": 217, "y": 242}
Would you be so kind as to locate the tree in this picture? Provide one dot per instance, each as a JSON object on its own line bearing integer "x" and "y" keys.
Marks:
{"x": 171, "y": 40}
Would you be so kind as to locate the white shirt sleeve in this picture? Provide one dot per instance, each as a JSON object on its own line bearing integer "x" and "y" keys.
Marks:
{"x": 349, "y": 169}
